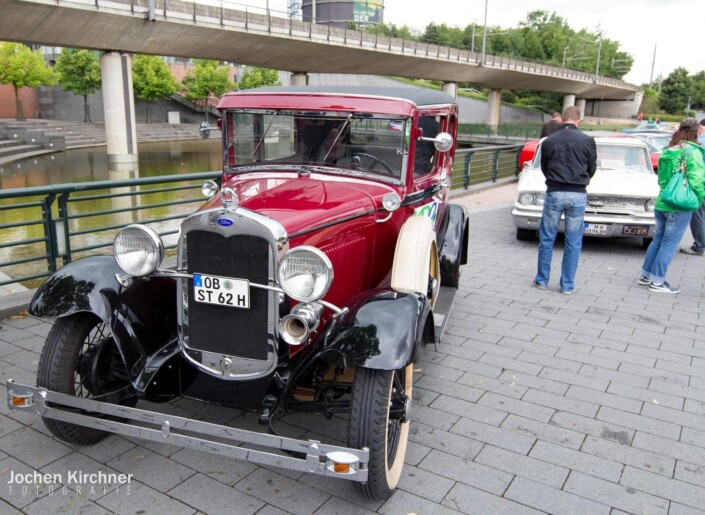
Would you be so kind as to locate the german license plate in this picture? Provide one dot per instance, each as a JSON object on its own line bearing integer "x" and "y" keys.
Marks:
{"x": 635, "y": 230}
{"x": 221, "y": 291}
{"x": 595, "y": 229}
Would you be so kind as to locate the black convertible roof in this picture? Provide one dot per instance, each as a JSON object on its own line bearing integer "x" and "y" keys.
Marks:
{"x": 418, "y": 96}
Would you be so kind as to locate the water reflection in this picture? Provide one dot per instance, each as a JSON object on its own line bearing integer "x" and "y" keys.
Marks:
{"x": 91, "y": 164}
{"x": 93, "y": 209}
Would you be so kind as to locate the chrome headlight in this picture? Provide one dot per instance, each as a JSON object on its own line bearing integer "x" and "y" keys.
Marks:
{"x": 526, "y": 199}
{"x": 649, "y": 205}
{"x": 138, "y": 250}
{"x": 540, "y": 199}
{"x": 305, "y": 273}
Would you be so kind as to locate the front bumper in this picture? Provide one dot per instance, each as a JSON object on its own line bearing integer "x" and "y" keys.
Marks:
{"x": 615, "y": 225}
{"x": 217, "y": 439}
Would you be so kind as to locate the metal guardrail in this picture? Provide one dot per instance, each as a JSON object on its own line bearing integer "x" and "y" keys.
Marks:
{"x": 529, "y": 131}
{"x": 475, "y": 166}
{"x": 42, "y": 228}
{"x": 228, "y": 14}
{"x": 55, "y": 225}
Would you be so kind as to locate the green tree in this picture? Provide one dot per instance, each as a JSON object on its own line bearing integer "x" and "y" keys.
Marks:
{"x": 208, "y": 78}
{"x": 21, "y": 67}
{"x": 79, "y": 72}
{"x": 257, "y": 77}
{"x": 676, "y": 89}
{"x": 649, "y": 104}
{"x": 152, "y": 79}
{"x": 698, "y": 100}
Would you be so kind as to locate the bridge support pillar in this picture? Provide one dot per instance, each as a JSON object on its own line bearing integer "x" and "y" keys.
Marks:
{"x": 638, "y": 97}
{"x": 119, "y": 107}
{"x": 580, "y": 104}
{"x": 568, "y": 100}
{"x": 494, "y": 106}
{"x": 451, "y": 88}
{"x": 299, "y": 79}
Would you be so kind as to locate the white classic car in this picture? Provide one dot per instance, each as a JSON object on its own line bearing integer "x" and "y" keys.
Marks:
{"x": 620, "y": 197}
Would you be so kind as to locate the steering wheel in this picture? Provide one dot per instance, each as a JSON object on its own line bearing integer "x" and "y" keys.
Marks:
{"x": 355, "y": 161}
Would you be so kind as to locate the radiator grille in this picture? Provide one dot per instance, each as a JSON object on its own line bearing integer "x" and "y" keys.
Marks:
{"x": 226, "y": 330}
{"x": 614, "y": 204}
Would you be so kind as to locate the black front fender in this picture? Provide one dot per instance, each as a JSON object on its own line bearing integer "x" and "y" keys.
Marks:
{"x": 380, "y": 331}
{"x": 141, "y": 316}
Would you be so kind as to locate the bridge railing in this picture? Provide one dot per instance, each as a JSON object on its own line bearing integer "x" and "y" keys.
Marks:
{"x": 42, "y": 228}
{"x": 229, "y": 14}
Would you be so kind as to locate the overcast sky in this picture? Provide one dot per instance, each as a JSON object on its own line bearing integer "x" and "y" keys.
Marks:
{"x": 674, "y": 26}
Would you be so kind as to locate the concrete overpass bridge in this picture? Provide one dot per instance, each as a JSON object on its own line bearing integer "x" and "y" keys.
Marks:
{"x": 229, "y": 32}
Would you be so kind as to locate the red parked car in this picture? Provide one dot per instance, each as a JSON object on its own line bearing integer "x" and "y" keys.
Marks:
{"x": 309, "y": 281}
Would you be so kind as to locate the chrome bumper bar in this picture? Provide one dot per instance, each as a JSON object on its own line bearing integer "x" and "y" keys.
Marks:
{"x": 203, "y": 436}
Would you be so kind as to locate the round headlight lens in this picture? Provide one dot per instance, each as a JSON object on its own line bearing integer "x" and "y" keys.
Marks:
{"x": 526, "y": 199}
{"x": 649, "y": 205}
{"x": 138, "y": 250}
{"x": 540, "y": 199}
{"x": 209, "y": 188}
{"x": 305, "y": 273}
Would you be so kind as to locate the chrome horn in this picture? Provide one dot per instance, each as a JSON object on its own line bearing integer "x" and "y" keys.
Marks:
{"x": 295, "y": 327}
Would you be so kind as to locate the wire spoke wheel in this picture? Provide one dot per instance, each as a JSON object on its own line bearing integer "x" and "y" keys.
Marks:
{"x": 80, "y": 358}
{"x": 379, "y": 420}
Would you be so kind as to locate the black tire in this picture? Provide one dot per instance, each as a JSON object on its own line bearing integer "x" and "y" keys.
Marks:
{"x": 372, "y": 426}
{"x": 58, "y": 370}
{"x": 526, "y": 234}
{"x": 645, "y": 242}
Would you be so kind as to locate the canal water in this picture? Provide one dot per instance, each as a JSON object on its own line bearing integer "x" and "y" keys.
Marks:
{"x": 90, "y": 165}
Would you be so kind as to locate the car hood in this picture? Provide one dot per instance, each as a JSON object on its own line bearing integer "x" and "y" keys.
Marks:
{"x": 301, "y": 203}
{"x": 604, "y": 182}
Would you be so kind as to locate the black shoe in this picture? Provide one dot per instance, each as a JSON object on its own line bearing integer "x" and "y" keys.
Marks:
{"x": 664, "y": 287}
{"x": 539, "y": 286}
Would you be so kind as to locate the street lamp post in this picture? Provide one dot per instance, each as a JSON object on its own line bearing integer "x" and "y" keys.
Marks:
{"x": 599, "y": 53}
{"x": 472, "y": 45}
{"x": 484, "y": 36}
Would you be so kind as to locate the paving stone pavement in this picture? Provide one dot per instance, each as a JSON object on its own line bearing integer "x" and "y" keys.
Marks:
{"x": 533, "y": 402}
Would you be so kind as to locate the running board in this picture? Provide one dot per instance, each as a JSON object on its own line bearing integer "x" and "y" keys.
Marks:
{"x": 317, "y": 458}
{"x": 442, "y": 309}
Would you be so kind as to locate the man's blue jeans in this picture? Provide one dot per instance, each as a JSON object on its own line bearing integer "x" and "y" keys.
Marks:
{"x": 572, "y": 206}
{"x": 697, "y": 227}
{"x": 670, "y": 228}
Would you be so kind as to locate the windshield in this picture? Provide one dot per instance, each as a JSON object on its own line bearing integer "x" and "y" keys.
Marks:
{"x": 344, "y": 142}
{"x": 626, "y": 158}
{"x": 657, "y": 143}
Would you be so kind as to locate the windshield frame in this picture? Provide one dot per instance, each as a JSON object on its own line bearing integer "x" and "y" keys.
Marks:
{"x": 367, "y": 145}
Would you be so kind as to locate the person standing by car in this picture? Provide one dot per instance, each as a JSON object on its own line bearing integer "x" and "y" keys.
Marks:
{"x": 551, "y": 126}
{"x": 670, "y": 223}
{"x": 697, "y": 222}
{"x": 568, "y": 161}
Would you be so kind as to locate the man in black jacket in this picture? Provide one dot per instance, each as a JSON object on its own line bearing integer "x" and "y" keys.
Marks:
{"x": 568, "y": 161}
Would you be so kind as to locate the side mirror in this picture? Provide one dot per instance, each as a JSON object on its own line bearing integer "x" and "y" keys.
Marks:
{"x": 443, "y": 141}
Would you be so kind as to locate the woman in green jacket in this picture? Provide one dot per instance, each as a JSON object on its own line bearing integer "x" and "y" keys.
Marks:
{"x": 671, "y": 224}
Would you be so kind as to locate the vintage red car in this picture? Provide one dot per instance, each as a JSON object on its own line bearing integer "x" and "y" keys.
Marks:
{"x": 309, "y": 281}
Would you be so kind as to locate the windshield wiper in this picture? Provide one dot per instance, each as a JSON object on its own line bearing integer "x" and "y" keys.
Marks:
{"x": 340, "y": 133}
{"x": 259, "y": 143}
